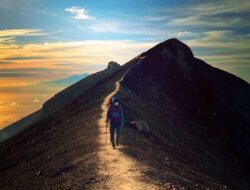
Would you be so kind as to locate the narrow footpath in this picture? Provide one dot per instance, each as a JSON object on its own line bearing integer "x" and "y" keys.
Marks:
{"x": 121, "y": 172}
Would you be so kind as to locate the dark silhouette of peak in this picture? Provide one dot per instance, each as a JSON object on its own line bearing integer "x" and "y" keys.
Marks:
{"x": 193, "y": 100}
{"x": 170, "y": 56}
{"x": 173, "y": 46}
{"x": 113, "y": 66}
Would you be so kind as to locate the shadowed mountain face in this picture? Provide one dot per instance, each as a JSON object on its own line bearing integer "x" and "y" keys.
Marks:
{"x": 216, "y": 100}
{"x": 199, "y": 112}
{"x": 198, "y": 118}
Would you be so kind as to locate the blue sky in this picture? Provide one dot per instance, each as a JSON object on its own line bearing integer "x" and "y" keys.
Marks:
{"x": 106, "y": 19}
{"x": 42, "y": 40}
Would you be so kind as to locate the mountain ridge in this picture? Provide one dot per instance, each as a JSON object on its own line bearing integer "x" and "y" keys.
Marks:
{"x": 193, "y": 142}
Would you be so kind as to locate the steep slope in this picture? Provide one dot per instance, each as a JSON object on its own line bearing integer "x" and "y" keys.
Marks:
{"x": 191, "y": 144}
{"x": 199, "y": 112}
{"x": 216, "y": 99}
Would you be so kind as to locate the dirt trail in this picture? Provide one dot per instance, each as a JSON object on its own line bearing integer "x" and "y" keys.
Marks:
{"x": 119, "y": 170}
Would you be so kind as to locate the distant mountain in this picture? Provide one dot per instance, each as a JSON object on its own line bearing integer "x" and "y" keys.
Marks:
{"x": 65, "y": 82}
{"x": 198, "y": 119}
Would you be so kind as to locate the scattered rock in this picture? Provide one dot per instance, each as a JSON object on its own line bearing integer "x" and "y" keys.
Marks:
{"x": 141, "y": 126}
{"x": 90, "y": 180}
{"x": 113, "y": 66}
{"x": 63, "y": 170}
{"x": 38, "y": 173}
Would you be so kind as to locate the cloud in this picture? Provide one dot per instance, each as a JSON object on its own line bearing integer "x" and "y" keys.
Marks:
{"x": 122, "y": 27}
{"x": 3, "y": 104}
{"x": 79, "y": 13}
{"x": 64, "y": 58}
{"x": 219, "y": 7}
{"x": 201, "y": 21}
{"x": 107, "y": 26}
{"x": 181, "y": 34}
{"x": 142, "y": 28}
{"x": 156, "y": 18}
{"x": 13, "y": 104}
{"x": 4, "y": 63}
{"x": 33, "y": 72}
{"x": 7, "y": 39}
{"x": 36, "y": 101}
{"x": 88, "y": 51}
{"x": 21, "y": 32}
{"x": 17, "y": 75}
{"x": 26, "y": 58}
{"x": 69, "y": 58}
{"x": 16, "y": 4}
{"x": 10, "y": 35}
{"x": 220, "y": 40}
{"x": 200, "y": 14}
{"x": 9, "y": 104}
{"x": 207, "y": 8}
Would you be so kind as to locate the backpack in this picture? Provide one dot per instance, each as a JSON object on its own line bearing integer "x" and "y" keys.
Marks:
{"x": 115, "y": 115}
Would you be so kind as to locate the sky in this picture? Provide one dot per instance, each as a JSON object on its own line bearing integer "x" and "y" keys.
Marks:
{"x": 43, "y": 40}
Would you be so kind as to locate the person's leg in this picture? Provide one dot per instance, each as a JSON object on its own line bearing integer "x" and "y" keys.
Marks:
{"x": 118, "y": 130}
{"x": 112, "y": 131}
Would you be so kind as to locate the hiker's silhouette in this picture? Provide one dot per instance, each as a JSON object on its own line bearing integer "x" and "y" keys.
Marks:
{"x": 116, "y": 118}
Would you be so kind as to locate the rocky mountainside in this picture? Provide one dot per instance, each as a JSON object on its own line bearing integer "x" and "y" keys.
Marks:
{"x": 197, "y": 119}
{"x": 168, "y": 75}
{"x": 195, "y": 110}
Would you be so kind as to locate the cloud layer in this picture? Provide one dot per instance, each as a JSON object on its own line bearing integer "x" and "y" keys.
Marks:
{"x": 79, "y": 13}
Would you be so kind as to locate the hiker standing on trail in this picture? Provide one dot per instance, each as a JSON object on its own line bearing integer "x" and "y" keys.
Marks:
{"x": 116, "y": 118}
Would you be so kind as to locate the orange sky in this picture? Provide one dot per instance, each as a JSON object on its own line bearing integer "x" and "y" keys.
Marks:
{"x": 25, "y": 66}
